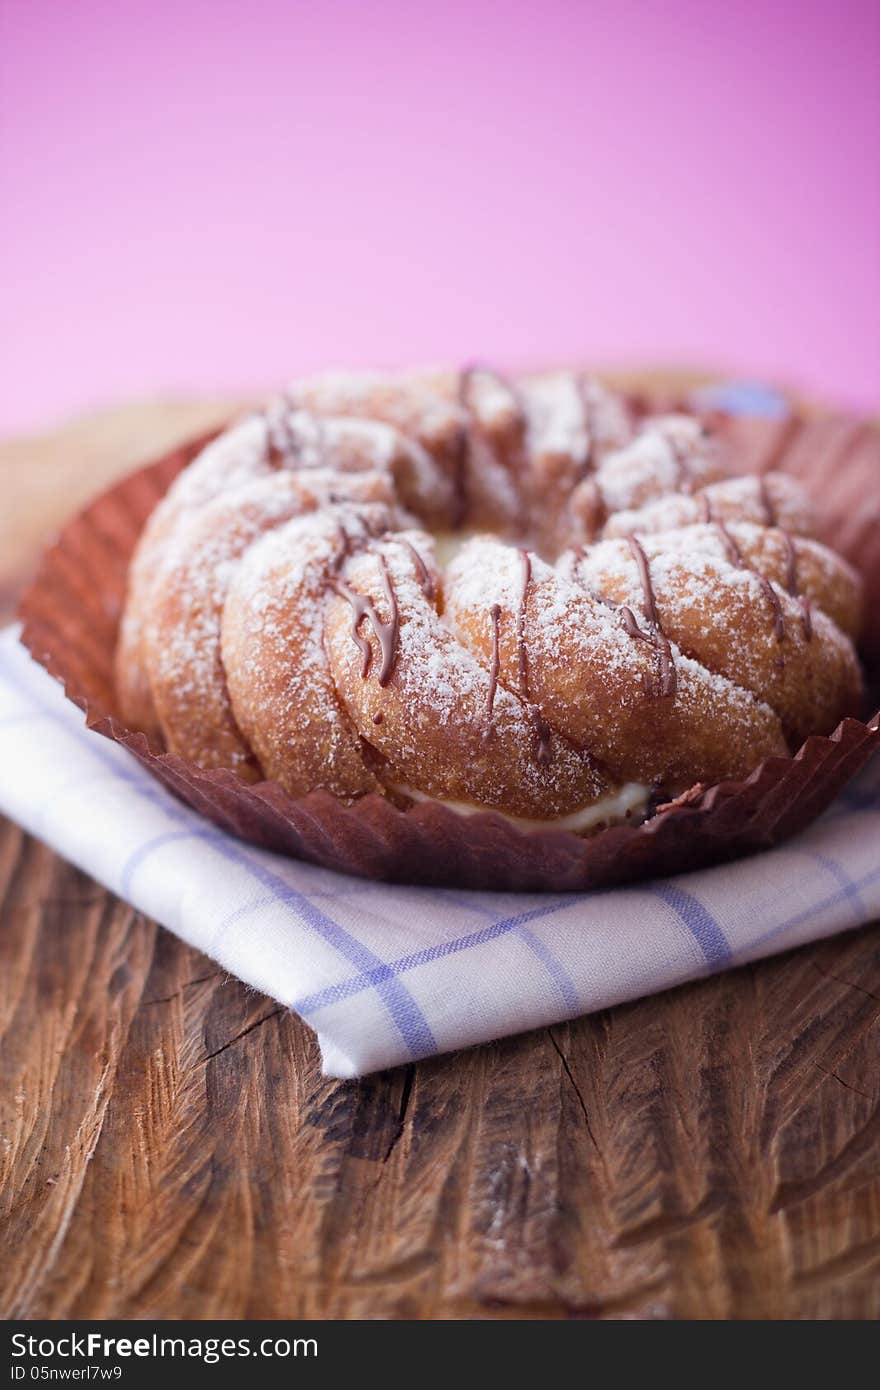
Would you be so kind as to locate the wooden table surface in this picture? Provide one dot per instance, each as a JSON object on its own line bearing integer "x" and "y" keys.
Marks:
{"x": 168, "y": 1147}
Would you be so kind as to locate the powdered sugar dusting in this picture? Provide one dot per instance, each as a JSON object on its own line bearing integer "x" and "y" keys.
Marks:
{"x": 252, "y": 592}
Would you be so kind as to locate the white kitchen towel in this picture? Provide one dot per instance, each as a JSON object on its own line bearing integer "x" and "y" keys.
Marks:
{"x": 387, "y": 974}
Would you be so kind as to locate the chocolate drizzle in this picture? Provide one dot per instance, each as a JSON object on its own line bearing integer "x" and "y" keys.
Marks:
{"x": 649, "y": 600}
{"x": 422, "y": 571}
{"x": 737, "y": 558}
{"x": 667, "y": 680}
{"x": 276, "y": 455}
{"x": 344, "y": 549}
{"x": 767, "y": 502}
{"x": 791, "y": 583}
{"x": 539, "y": 724}
{"x": 632, "y": 627}
{"x": 387, "y": 631}
{"x": 463, "y": 450}
{"x": 494, "y": 668}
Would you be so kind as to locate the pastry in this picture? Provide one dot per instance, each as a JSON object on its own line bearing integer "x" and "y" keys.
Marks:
{"x": 522, "y": 595}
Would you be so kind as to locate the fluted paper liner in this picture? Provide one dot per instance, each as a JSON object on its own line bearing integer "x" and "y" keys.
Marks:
{"x": 71, "y": 612}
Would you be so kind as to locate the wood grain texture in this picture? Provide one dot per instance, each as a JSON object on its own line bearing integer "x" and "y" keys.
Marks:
{"x": 168, "y": 1146}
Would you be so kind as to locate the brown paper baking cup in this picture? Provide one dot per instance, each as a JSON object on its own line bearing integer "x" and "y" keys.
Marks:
{"x": 71, "y": 612}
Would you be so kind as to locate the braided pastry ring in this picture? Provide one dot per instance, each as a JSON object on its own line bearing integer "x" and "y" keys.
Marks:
{"x": 637, "y": 621}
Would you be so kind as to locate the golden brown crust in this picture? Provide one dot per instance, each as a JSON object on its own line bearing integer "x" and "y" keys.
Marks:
{"x": 288, "y": 618}
{"x": 733, "y": 621}
{"x": 181, "y": 639}
{"x": 282, "y": 693}
{"x": 590, "y": 678}
{"x": 434, "y": 731}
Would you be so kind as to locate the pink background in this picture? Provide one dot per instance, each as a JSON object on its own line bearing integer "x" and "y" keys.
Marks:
{"x": 213, "y": 194}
